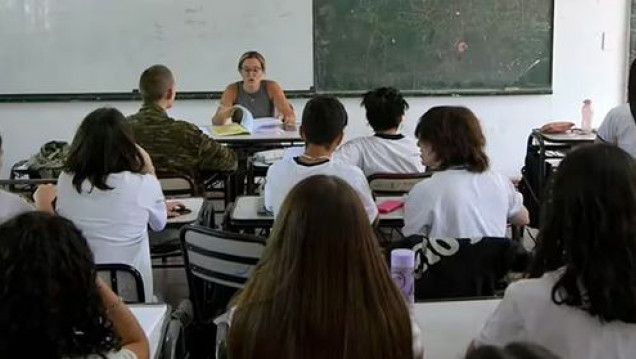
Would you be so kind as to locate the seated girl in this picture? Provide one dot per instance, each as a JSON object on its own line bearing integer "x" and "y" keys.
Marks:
{"x": 109, "y": 191}
{"x": 580, "y": 302}
{"x": 322, "y": 288}
{"x": 51, "y": 304}
{"x": 463, "y": 198}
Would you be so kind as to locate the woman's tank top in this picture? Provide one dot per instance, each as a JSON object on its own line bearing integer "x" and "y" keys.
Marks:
{"x": 258, "y": 103}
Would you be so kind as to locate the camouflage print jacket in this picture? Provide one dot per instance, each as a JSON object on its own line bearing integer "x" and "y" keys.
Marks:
{"x": 179, "y": 147}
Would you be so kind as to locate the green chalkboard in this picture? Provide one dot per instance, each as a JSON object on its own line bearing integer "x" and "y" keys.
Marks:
{"x": 433, "y": 46}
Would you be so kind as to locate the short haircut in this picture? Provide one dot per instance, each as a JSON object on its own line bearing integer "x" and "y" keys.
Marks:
{"x": 385, "y": 107}
{"x": 103, "y": 144}
{"x": 324, "y": 118}
{"x": 251, "y": 55}
{"x": 154, "y": 82}
{"x": 455, "y": 136}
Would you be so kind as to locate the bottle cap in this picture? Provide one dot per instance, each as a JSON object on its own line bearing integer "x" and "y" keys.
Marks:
{"x": 587, "y": 101}
{"x": 402, "y": 258}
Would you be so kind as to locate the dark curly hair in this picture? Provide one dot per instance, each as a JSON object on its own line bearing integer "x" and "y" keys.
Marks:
{"x": 589, "y": 229}
{"x": 103, "y": 144}
{"x": 385, "y": 107}
{"x": 455, "y": 136}
{"x": 49, "y": 303}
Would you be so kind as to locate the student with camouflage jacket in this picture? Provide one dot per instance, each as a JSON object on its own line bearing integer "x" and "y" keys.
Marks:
{"x": 175, "y": 147}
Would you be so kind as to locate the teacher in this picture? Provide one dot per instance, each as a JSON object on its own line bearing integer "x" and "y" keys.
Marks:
{"x": 264, "y": 98}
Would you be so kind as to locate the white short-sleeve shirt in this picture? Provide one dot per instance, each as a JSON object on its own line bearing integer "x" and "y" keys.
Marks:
{"x": 618, "y": 128}
{"x": 283, "y": 175}
{"x": 382, "y": 153}
{"x": 456, "y": 203}
{"x": 115, "y": 222}
{"x": 12, "y": 205}
{"x": 527, "y": 313}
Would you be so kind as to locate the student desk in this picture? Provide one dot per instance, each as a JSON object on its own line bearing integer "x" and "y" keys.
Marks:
{"x": 246, "y": 145}
{"x": 193, "y": 204}
{"x": 448, "y": 327}
{"x": 245, "y": 214}
{"x": 154, "y": 319}
{"x": 552, "y": 148}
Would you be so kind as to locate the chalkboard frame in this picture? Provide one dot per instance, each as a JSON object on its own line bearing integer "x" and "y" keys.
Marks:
{"x": 213, "y": 95}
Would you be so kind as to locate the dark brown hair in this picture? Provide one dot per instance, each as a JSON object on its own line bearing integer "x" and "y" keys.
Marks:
{"x": 251, "y": 55}
{"x": 324, "y": 119}
{"x": 322, "y": 288}
{"x": 588, "y": 228}
{"x": 102, "y": 145}
{"x": 154, "y": 82}
{"x": 455, "y": 136}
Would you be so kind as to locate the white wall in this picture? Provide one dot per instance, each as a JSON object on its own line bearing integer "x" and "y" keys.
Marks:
{"x": 583, "y": 68}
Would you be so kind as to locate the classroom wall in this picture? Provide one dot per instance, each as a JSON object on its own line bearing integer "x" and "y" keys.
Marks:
{"x": 590, "y": 49}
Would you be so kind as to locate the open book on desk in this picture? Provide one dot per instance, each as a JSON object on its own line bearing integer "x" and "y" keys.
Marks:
{"x": 248, "y": 125}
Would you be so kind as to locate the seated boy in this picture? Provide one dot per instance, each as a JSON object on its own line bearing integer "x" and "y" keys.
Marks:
{"x": 387, "y": 151}
{"x": 323, "y": 122}
{"x": 175, "y": 147}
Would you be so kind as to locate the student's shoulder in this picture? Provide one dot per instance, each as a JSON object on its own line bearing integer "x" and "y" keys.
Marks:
{"x": 619, "y": 113}
{"x": 533, "y": 289}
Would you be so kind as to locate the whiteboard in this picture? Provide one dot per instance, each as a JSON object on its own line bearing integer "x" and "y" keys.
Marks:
{"x": 102, "y": 46}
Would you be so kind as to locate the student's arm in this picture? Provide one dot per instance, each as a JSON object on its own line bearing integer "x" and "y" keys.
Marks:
{"x": 275, "y": 92}
{"x": 151, "y": 198}
{"x": 522, "y": 218}
{"x": 517, "y": 213}
{"x": 44, "y": 196}
{"x": 148, "y": 166}
{"x": 226, "y": 108}
{"x": 125, "y": 324}
{"x": 213, "y": 157}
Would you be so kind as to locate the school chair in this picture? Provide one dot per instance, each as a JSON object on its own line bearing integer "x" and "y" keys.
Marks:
{"x": 394, "y": 184}
{"x": 177, "y": 186}
{"x": 217, "y": 263}
{"x": 124, "y": 280}
{"x": 463, "y": 267}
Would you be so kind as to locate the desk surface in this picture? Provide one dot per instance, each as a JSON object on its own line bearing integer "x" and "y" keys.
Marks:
{"x": 246, "y": 213}
{"x": 275, "y": 135}
{"x": 153, "y": 319}
{"x": 193, "y": 204}
{"x": 448, "y": 327}
{"x": 566, "y": 137}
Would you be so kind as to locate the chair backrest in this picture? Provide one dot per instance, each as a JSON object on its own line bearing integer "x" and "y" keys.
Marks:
{"x": 461, "y": 267}
{"x": 394, "y": 183}
{"x": 217, "y": 264}
{"x": 124, "y": 280}
{"x": 177, "y": 185}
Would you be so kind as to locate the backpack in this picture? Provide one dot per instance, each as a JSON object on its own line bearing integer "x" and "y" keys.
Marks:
{"x": 49, "y": 161}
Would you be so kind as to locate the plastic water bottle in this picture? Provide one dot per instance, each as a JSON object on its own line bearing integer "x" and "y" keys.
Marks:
{"x": 402, "y": 270}
{"x": 586, "y": 116}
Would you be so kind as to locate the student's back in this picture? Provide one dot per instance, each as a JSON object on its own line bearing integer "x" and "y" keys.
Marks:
{"x": 387, "y": 151}
{"x": 324, "y": 119}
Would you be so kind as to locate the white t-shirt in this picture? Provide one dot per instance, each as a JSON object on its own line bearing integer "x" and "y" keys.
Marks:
{"x": 115, "y": 222}
{"x": 456, "y": 203}
{"x": 283, "y": 175}
{"x": 619, "y": 128}
{"x": 12, "y": 205}
{"x": 527, "y": 313}
{"x": 382, "y": 154}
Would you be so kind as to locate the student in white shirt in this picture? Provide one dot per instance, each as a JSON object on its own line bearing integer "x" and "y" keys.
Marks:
{"x": 323, "y": 123}
{"x": 322, "y": 288}
{"x": 52, "y": 304}
{"x": 387, "y": 151}
{"x": 580, "y": 302}
{"x": 108, "y": 191}
{"x": 463, "y": 199}
{"x": 619, "y": 126}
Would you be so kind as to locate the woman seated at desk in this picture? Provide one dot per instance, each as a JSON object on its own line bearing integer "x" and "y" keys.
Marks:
{"x": 263, "y": 98}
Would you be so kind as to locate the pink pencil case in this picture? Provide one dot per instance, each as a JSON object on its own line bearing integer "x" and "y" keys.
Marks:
{"x": 390, "y": 206}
